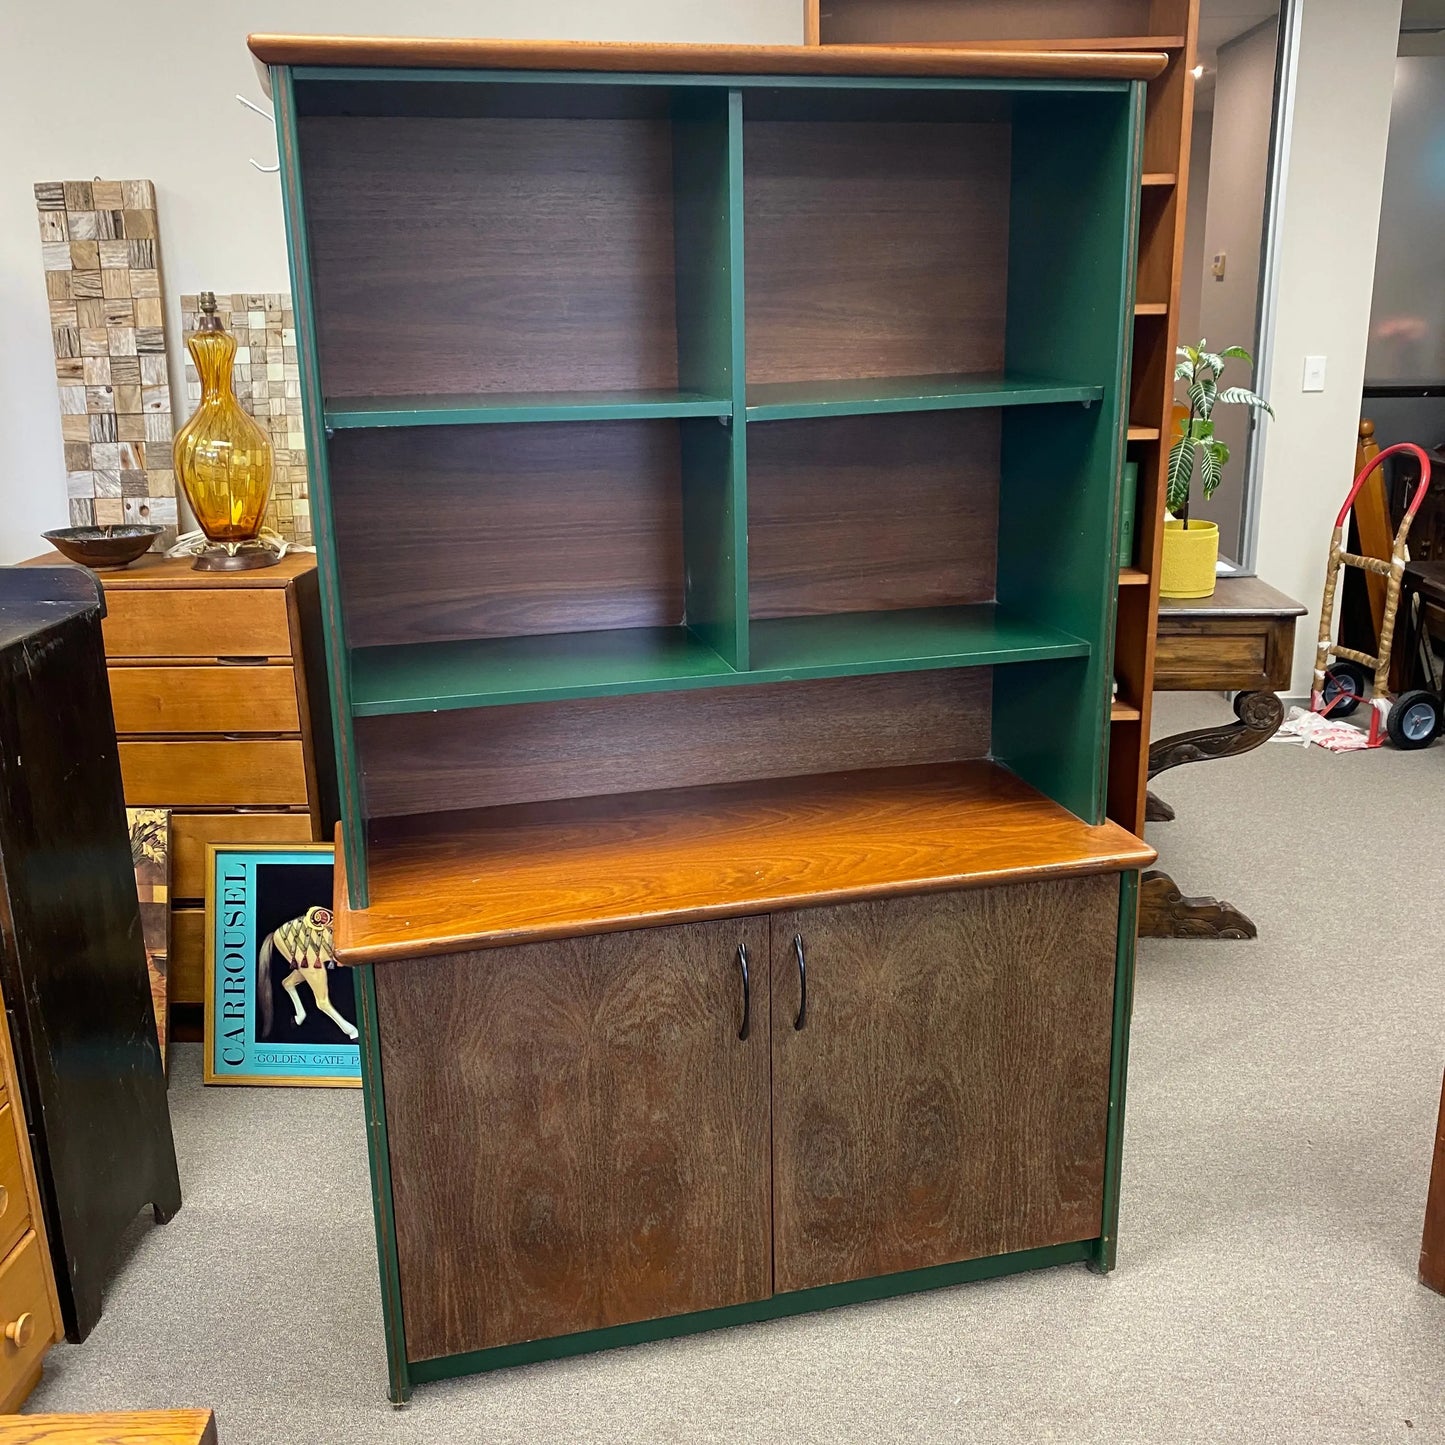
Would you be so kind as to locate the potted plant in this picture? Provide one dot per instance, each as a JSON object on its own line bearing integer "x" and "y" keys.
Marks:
{"x": 1191, "y": 548}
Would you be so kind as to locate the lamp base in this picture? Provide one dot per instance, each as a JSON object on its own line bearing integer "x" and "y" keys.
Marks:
{"x": 246, "y": 558}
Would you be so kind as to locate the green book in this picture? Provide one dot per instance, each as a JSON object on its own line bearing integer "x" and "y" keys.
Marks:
{"x": 1128, "y": 488}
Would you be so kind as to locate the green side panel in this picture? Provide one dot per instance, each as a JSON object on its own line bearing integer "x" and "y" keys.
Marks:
{"x": 350, "y": 413}
{"x": 338, "y": 671}
{"x": 787, "y": 400}
{"x": 1106, "y": 1246}
{"x": 707, "y": 184}
{"x": 776, "y": 1307}
{"x": 1072, "y": 232}
{"x": 373, "y": 1096}
{"x": 499, "y": 671}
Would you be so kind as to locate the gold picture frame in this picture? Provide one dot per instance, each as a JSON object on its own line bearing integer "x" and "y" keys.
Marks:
{"x": 268, "y": 907}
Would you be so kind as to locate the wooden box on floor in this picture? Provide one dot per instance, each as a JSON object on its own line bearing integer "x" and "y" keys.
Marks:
{"x": 219, "y": 690}
{"x": 717, "y": 463}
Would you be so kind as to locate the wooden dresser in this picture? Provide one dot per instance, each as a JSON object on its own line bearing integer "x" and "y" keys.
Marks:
{"x": 29, "y": 1307}
{"x": 219, "y": 688}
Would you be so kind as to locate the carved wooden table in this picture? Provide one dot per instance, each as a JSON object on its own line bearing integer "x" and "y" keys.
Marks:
{"x": 1239, "y": 640}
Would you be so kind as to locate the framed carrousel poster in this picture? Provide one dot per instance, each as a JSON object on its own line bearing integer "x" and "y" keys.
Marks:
{"x": 277, "y": 1008}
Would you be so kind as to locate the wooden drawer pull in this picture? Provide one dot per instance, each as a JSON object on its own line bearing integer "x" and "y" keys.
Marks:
{"x": 4, "y": 1200}
{"x": 21, "y": 1331}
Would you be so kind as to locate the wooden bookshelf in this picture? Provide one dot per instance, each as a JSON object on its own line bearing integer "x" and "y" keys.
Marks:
{"x": 715, "y": 481}
{"x": 1054, "y": 26}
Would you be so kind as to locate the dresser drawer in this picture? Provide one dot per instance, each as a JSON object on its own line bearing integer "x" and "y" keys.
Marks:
{"x": 186, "y": 968}
{"x": 190, "y": 832}
{"x": 14, "y": 1204}
{"x": 26, "y": 1324}
{"x": 197, "y": 622}
{"x": 204, "y": 699}
{"x": 214, "y": 773}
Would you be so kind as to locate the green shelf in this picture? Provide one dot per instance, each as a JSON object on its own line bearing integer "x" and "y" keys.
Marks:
{"x": 480, "y": 409}
{"x": 852, "y": 643}
{"x": 790, "y": 400}
{"x": 437, "y": 676}
{"x": 495, "y": 672}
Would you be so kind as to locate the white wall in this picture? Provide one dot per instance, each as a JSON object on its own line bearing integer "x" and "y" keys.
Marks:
{"x": 1191, "y": 278}
{"x": 1234, "y": 226}
{"x": 1329, "y": 225}
{"x": 131, "y": 89}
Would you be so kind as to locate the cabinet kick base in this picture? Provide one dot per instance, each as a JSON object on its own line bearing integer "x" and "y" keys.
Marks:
{"x": 800, "y": 1302}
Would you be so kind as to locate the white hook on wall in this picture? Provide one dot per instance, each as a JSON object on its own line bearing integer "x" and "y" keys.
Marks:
{"x": 265, "y": 115}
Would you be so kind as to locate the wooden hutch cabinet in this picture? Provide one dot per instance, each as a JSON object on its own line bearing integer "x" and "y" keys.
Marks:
{"x": 717, "y": 458}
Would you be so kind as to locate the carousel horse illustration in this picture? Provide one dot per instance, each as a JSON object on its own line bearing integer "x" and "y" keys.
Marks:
{"x": 305, "y": 944}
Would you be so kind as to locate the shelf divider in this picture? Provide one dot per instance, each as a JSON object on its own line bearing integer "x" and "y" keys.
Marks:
{"x": 871, "y": 396}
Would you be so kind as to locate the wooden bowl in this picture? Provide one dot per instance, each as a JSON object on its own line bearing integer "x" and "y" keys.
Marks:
{"x": 102, "y": 548}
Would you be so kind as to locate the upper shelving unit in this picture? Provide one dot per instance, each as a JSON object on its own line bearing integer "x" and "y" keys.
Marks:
{"x": 710, "y": 414}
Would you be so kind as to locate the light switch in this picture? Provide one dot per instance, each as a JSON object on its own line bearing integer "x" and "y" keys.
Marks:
{"x": 1218, "y": 265}
{"x": 1314, "y": 374}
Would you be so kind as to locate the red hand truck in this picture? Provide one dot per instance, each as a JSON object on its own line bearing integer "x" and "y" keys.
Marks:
{"x": 1413, "y": 719}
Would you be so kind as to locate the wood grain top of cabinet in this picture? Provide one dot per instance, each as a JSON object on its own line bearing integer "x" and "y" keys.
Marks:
{"x": 145, "y": 1427}
{"x": 253, "y": 699}
{"x": 27, "y": 1320}
{"x": 841, "y": 60}
{"x": 589, "y": 865}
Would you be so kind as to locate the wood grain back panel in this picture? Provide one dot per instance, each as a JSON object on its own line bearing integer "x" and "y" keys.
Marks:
{"x": 566, "y": 527}
{"x": 854, "y": 514}
{"x": 488, "y": 255}
{"x": 947, "y": 1096}
{"x": 593, "y": 1149}
{"x": 533, "y": 752}
{"x": 903, "y": 22}
{"x": 874, "y": 248}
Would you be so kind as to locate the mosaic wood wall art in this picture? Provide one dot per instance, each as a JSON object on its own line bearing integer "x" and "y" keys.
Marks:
{"x": 101, "y": 252}
{"x": 267, "y": 382}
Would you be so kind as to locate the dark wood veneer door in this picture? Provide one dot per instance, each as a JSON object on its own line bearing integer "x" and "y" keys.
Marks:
{"x": 578, "y": 1136}
{"x": 947, "y": 1095}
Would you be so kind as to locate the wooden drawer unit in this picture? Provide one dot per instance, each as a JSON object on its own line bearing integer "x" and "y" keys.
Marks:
{"x": 190, "y": 832}
{"x": 14, "y": 1203}
{"x": 207, "y": 620}
{"x": 205, "y": 699}
{"x": 218, "y": 685}
{"x": 27, "y": 1320}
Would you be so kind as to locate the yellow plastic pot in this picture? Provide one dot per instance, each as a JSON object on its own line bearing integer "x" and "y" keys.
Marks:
{"x": 1189, "y": 558}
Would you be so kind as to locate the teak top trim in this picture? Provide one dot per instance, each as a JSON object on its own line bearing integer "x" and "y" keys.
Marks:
{"x": 592, "y": 865}
{"x": 840, "y": 60}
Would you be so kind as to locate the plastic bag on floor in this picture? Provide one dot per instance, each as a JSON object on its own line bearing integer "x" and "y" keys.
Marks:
{"x": 1305, "y": 727}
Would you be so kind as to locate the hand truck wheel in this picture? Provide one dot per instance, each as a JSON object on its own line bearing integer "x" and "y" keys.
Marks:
{"x": 1414, "y": 720}
{"x": 1345, "y": 681}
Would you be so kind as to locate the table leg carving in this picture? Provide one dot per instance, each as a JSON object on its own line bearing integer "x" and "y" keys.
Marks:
{"x": 1164, "y": 912}
{"x": 1156, "y": 810}
{"x": 1259, "y": 714}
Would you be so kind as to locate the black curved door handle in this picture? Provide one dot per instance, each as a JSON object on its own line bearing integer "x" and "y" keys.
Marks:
{"x": 747, "y": 992}
{"x": 802, "y": 1016}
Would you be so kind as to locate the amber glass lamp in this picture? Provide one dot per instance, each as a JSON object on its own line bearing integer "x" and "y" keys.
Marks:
{"x": 223, "y": 458}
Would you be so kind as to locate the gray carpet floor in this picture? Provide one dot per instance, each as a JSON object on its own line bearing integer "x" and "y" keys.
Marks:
{"x": 1281, "y": 1111}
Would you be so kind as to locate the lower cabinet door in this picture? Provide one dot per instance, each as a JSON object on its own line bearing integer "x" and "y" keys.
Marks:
{"x": 944, "y": 1095}
{"x": 578, "y": 1135}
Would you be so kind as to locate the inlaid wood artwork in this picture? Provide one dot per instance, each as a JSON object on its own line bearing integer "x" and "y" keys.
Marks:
{"x": 267, "y": 382}
{"x": 150, "y": 852}
{"x": 100, "y": 248}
